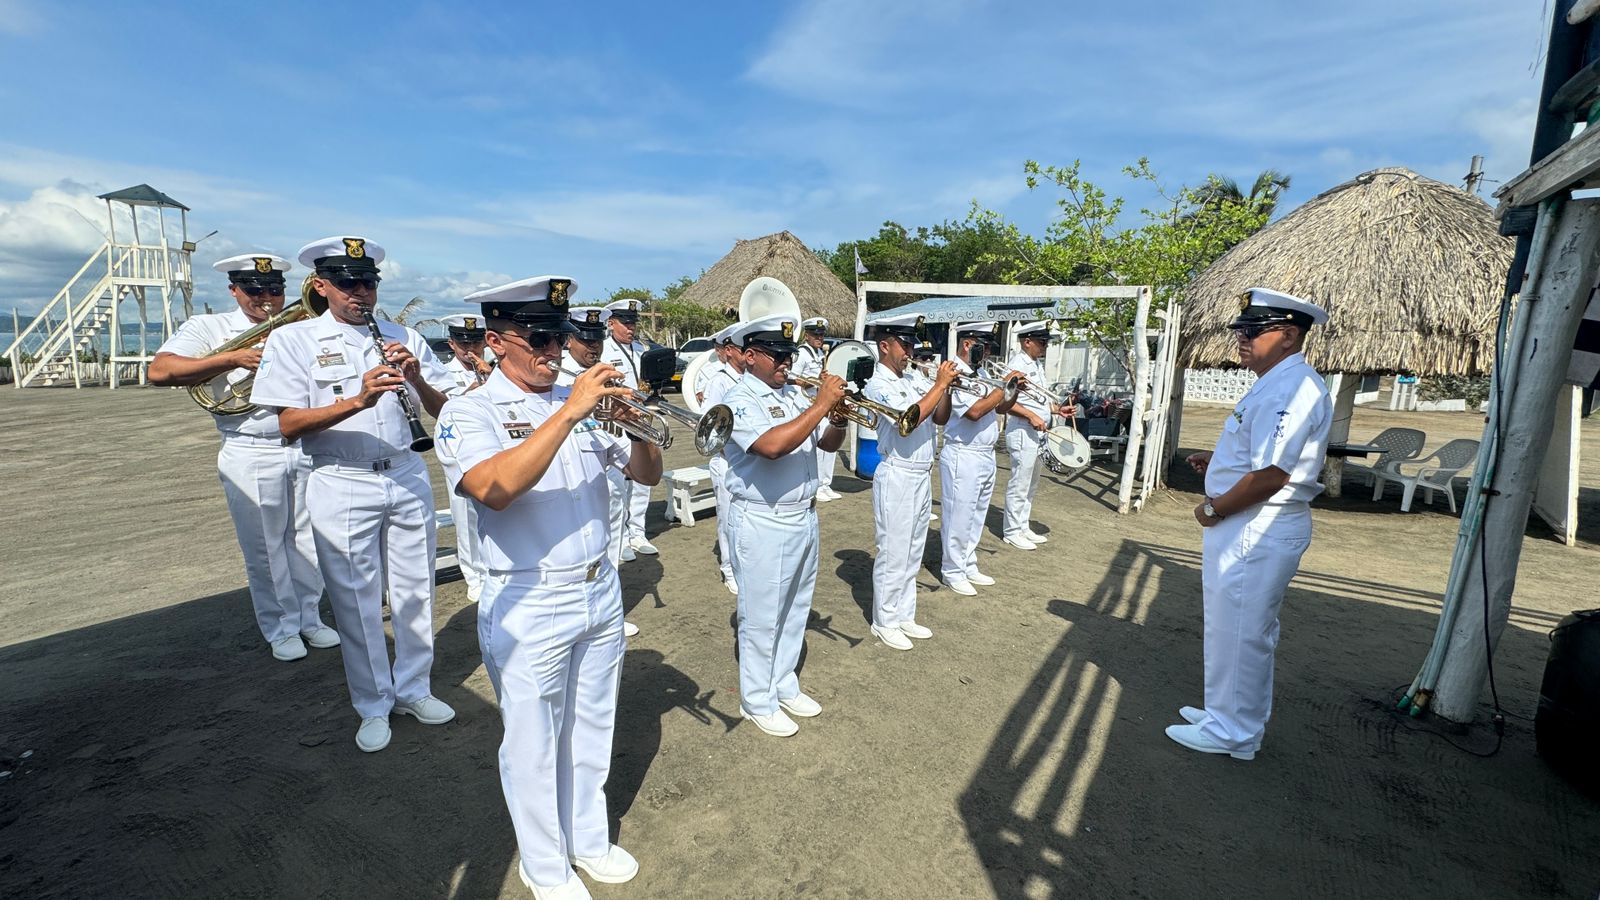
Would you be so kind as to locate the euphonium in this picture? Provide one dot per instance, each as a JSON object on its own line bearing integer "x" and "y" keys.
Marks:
{"x": 221, "y": 397}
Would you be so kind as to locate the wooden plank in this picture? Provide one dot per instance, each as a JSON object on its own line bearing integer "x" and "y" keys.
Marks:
{"x": 1051, "y": 292}
{"x": 1571, "y": 166}
{"x": 1578, "y": 90}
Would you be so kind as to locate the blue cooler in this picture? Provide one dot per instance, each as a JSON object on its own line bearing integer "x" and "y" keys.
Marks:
{"x": 866, "y": 456}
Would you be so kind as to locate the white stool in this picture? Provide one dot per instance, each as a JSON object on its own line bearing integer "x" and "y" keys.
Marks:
{"x": 688, "y": 492}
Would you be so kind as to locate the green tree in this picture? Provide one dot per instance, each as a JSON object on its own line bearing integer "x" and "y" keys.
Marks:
{"x": 1268, "y": 187}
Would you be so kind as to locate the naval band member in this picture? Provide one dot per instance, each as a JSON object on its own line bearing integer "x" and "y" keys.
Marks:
{"x": 469, "y": 369}
{"x": 370, "y": 498}
{"x": 1260, "y": 481}
{"x": 772, "y": 488}
{"x": 1025, "y": 431}
{"x": 967, "y": 465}
{"x": 808, "y": 362}
{"x": 532, "y": 457}
{"x": 718, "y": 378}
{"x": 629, "y": 501}
{"x": 263, "y": 478}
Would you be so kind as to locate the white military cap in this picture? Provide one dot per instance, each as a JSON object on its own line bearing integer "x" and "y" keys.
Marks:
{"x": 1263, "y": 306}
{"x": 976, "y": 328}
{"x": 464, "y": 327}
{"x": 625, "y": 310}
{"x": 776, "y": 332}
{"x": 253, "y": 267}
{"x": 342, "y": 251}
{"x": 539, "y": 302}
{"x": 817, "y": 324}
{"x": 1041, "y": 329}
{"x": 724, "y": 334}
{"x": 590, "y": 321}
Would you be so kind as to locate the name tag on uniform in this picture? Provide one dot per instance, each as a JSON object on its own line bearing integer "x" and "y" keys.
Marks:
{"x": 777, "y": 412}
{"x": 330, "y": 358}
{"x": 518, "y": 430}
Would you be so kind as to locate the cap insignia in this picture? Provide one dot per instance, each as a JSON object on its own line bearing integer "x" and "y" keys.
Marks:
{"x": 264, "y": 264}
{"x": 788, "y": 331}
{"x": 1244, "y": 301}
{"x": 593, "y": 318}
{"x": 355, "y": 248}
{"x": 470, "y": 323}
{"x": 559, "y": 287}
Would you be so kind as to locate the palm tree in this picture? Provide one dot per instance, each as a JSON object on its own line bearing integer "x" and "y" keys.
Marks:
{"x": 1263, "y": 197}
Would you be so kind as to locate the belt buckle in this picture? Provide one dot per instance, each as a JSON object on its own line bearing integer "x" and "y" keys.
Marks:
{"x": 593, "y": 569}
{"x": 382, "y": 465}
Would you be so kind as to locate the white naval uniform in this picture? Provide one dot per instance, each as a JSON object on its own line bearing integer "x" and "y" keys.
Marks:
{"x": 462, "y": 512}
{"x": 1023, "y": 443}
{"x": 966, "y": 481}
{"x": 772, "y": 520}
{"x": 370, "y": 499}
{"x": 808, "y": 362}
{"x": 902, "y": 499}
{"x": 1250, "y": 556}
{"x": 633, "y": 501}
{"x": 718, "y": 379}
{"x": 264, "y": 483}
{"x": 549, "y": 623}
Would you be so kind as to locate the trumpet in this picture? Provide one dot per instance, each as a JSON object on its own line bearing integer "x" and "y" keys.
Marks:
{"x": 648, "y": 426}
{"x": 1027, "y": 388}
{"x": 712, "y": 428}
{"x": 976, "y": 385}
{"x": 864, "y": 412}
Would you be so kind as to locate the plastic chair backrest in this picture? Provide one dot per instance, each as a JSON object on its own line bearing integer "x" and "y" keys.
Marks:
{"x": 1457, "y": 454}
{"x": 1399, "y": 444}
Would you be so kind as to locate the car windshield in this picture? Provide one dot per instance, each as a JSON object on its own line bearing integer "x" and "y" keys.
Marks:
{"x": 696, "y": 345}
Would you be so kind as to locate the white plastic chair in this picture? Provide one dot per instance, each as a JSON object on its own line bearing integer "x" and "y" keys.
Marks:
{"x": 1399, "y": 445}
{"x": 1434, "y": 472}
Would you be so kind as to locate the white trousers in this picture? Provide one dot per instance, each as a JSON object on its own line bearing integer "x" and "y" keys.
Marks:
{"x": 617, "y": 487}
{"x": 719, "y": 488}
{"x": 1023, "y": 445}
{"x": 1248, "y": 559}
{"x": 902, "y": 503}
{"x": 375, "y": 537}
{"x": 966, "y": 483}
{"x": 465, "y": 514}
{"x": 553, "y": 649}
{"x": 264, "y": 484}
{"x": 826, "y": 460}
{"x": 775, "y": 564}
{"x": 638, "y": 504}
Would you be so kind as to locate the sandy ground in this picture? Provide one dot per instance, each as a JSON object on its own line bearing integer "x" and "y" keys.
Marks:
{"x": 155, "y": 749}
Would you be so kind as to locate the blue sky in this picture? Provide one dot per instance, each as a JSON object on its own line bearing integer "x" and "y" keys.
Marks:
{"x": 627, "y": 144}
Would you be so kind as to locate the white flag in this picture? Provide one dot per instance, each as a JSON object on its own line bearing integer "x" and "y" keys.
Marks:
{"x": 860, "y": 269}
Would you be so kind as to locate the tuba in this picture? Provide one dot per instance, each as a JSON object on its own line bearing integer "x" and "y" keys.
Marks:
{"x": 222, "y": 396}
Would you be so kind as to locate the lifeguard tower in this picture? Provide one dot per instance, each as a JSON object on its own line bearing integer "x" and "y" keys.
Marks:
{"x": 57, "y": 346}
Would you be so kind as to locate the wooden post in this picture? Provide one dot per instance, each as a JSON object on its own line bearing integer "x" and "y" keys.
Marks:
{"x": 1554, "y": 306}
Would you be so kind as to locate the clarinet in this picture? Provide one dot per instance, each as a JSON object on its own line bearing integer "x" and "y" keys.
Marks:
{"x": 421, "y": 441}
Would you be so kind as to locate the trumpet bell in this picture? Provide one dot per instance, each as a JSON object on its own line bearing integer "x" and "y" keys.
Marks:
{"x": 716, "y": 426}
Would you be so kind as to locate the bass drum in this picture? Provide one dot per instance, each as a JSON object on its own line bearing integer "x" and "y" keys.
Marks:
{"x": 847, "y": 355}
{"x": 691, "y": 380}
{"x": 1066, "y": 450}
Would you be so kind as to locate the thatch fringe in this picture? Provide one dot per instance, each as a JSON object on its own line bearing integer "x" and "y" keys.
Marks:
{"x": 1411, "y": 272}
{"x": 784, "y": 257}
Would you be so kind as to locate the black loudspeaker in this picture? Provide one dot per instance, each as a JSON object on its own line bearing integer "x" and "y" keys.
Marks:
{"x": 1567, "y": 727}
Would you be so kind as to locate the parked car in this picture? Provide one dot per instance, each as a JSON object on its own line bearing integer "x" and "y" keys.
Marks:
{"x": 691, "y": 348}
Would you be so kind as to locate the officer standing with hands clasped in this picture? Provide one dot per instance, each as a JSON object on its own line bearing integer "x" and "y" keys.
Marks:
{"x": 1260, "y": 480}
{"x": 336, "y": 391}
{"x": 902, "y": 486}
{"x": 772, "y": 488}
{"x": 532, "y": 456}
{"x": 263, "y": 479}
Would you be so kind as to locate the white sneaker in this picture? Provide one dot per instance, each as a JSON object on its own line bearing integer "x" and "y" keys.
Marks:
{"x": 933, "y": 517}
{"x": 321, "y": 637}
{"x": 573, "y": 889}
{"x": 289, "y": 648}
{"x": 1194, "y": 715}
{"x": 1191, "y": 737}
{"x": 1020, "y": 542}
{"x": 892, "y": 637}
{"x": 977, "y": 577}
{"x": 373, "y": 735}
{"x": 912, "y": 629}
{"x": 729, "y": 583}
{"x": 627, "y": 554}
{"x": 801, "y": 705}
{"x": 429, "y": 710}
{"x": 1035, "y": 536}
{"x": 640, "y": 545}
{"x": 629, "y": 629}
{"x": 824, "y": 495}
{"x": 777, "y": 724}
{"x": 616, "y": 867}
{"x": 961, "y": 586}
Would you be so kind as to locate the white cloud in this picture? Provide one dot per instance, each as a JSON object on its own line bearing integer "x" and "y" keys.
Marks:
{"x": 19, "y": 18}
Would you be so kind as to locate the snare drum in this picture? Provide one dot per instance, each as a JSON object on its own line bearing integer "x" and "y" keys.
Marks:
{"x": 1066, "y": 449}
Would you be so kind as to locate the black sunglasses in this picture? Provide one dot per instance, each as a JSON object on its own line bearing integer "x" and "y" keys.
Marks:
{"x": 347, "y": 283}
{"x": 779, "y": 357}
{"x": 537, "y": 339}
{"x": 1251, "y": 332}
{"x": 256, "y": 290}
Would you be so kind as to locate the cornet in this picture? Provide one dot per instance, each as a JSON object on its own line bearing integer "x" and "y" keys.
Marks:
{"x": 648, "y": 426}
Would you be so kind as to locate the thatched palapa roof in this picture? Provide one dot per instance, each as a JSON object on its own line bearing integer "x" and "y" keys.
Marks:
{"x": 1410, "y": 270}
{"x": 785, "y": 258}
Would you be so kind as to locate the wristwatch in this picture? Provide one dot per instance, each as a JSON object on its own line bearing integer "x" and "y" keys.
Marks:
{"x": 1210, "y": 511}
